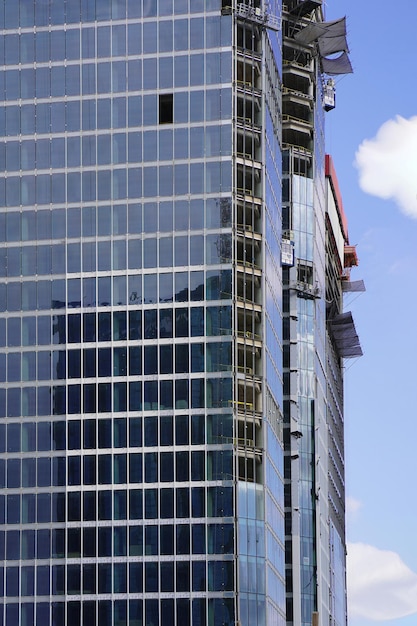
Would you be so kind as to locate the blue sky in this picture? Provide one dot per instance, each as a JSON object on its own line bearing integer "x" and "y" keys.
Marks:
{"x": 375, "y": 126}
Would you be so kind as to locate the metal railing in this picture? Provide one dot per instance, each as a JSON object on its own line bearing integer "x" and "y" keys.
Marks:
{"x": 255, "y": 14}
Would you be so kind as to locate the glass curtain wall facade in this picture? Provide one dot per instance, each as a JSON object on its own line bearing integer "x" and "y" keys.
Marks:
{"x": 340, "y": 257}
{"x": 306, "y": 466}
{"x": 140, "y": 333}
{"x": 314, "y": 347}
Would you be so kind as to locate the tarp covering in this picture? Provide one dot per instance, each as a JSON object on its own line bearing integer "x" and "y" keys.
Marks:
{"x": 330, "y": 45}
{"x": 339, "y": 65}
{"x": 345, "y": 337}
{"x": 331, "y": 38}
{"x": 355, "y": 285}
{"x": 313, "y": 31}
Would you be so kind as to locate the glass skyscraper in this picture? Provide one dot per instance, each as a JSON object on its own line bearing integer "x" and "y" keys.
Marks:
{"x": 142, "y": 295}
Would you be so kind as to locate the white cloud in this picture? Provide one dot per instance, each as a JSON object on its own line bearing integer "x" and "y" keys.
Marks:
{"x": 352, "y": 506}
{"x": 387, "y": 164}
{"x": 380, "y": 585}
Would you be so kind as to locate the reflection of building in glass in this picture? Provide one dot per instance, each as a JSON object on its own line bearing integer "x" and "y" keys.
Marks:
{"x": 315, "y": 329}
{"x": 154, "y": 312}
